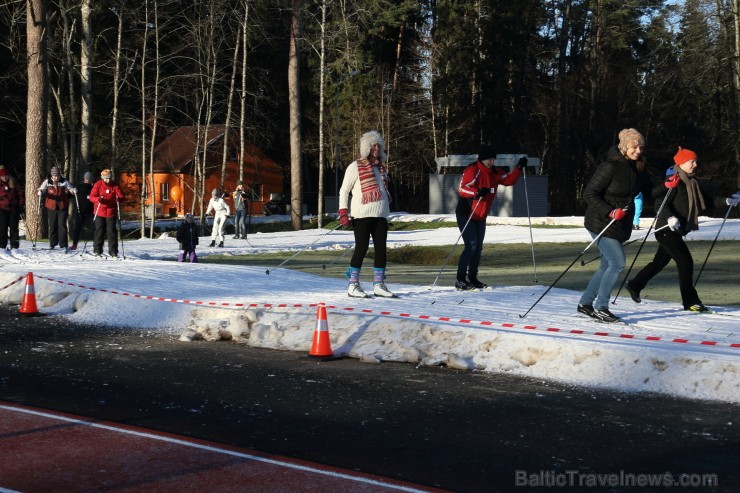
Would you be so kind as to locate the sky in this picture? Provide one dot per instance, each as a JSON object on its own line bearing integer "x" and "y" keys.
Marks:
{"x": 659, "y": 349}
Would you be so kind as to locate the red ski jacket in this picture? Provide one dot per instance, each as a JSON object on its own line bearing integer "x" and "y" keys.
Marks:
{"x": 106, "y": 197}
{"x": 477, "y": 176}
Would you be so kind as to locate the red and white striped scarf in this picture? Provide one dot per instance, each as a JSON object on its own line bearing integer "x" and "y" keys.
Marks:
{"x": 368, "y": 184}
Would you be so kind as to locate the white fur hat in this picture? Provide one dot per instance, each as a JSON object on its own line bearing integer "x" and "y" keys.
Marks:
{"x": 368, "y": 139}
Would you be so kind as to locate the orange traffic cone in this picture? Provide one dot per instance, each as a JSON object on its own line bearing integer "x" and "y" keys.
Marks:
{"x": 321, "y": 346}
{"x": 28, "y": 307}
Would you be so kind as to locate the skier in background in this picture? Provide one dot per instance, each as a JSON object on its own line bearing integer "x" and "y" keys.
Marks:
{"x": 187, "y": 235}
{"x": 56, "y": 190}
{"x": 11, "y": 206}
{"x": 221, "y": 212}
{"x": 106, "y": 195}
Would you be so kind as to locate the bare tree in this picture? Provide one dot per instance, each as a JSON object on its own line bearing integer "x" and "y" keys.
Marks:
{"x": 36, "y": 109}
{"x": 322, "y": 106}
{"x": 85, "y": 90}
{"x": 294, "y": 99}
{"x": 145, "y": 185}
{"x": 154, "y": 118}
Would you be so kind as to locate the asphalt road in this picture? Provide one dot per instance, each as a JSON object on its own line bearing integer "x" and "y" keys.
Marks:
{"x": 446, "y": 428}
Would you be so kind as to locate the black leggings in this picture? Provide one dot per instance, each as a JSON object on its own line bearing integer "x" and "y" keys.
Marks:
{"x": 366, "y": 227}
{"x": 672, "y": 247}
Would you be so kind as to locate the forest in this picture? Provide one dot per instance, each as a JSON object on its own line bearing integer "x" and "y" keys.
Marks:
{"x": 88, "y": 85}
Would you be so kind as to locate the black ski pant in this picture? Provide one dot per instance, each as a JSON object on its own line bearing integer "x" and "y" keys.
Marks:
{"x": 365, "y": 228}
{"x": 473, "y": 237}
{"x": 671, "y": 246}
{"x": 106, "y": 227}
{"x": 57, "y": 227}
{"x": 80, "y": 221}
{"x": 9, "y": 223}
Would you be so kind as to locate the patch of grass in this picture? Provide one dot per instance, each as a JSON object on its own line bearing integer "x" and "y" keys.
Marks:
{"x": 511, "y": 265}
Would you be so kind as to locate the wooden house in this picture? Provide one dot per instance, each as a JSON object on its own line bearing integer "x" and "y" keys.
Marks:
{"x": 174, "y": 166}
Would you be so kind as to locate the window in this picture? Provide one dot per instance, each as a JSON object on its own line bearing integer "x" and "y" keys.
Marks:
{"x": 164, "y": 192}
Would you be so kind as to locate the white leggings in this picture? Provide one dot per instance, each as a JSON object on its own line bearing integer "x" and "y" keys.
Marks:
{"x": 219, "y": 221}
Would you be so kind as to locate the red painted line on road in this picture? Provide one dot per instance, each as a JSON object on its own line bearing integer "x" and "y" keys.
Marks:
{"x": 45, "y": 451}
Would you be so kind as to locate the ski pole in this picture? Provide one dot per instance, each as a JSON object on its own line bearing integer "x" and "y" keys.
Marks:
{"x": 338, "y": 258}
{"x": 453, "y": 246}
{"x": 529, "y": 218}
{"x": 35, "y": 233}
{"x": 120, "y": 225}
{"x": 657, "y": 214}
{"x": 585, "y": 262}
{"x": 22, "y": 216}
{"x": 95, "y": 216}
{"x": 566, "y": 270}
{"x": 712, "y": 245}
{"x": 304, "y": 248}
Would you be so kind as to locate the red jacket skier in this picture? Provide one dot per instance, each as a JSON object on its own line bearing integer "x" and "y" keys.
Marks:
{"x": 106, "y": 195}
{"x": 477, "y": 191}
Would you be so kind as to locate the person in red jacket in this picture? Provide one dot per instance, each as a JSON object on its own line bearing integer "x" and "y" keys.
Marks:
{"x": 476, "y": 193}
{"x": 11, "y": 204}
{"x": 56, "y": 190}
{"x": 106, "y": 195}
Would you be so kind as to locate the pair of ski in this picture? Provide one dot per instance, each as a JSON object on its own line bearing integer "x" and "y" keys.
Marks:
{"x": 374, "y": 297}
{"x": 474, "y": 290}
{"x": 101, "y": 256}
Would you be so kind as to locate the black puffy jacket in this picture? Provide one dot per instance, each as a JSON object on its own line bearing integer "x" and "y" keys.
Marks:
{"x": 614, "y": 185}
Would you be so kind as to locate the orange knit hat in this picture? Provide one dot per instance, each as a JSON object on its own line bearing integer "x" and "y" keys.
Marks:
{"x": 684, "y": 155}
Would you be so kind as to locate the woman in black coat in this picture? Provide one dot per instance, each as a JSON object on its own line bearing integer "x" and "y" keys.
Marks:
{"x": 187, "y": 235}
{"x": 609, "y": 198}
{"x": 686, "y": 199}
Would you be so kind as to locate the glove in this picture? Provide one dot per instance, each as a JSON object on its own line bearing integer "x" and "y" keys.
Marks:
{"x": 734, "y": 200}
{"x": 482, "y": 192}
{"x": 617, "y": 214}
{"x": 673, "y": 223}
{"x": 38, "y": 192}
{"x": 344, "y": 218}
{"x": 522, "y": 163}
{"x": 73, "y": 190}
{"x": 672, "y": 181}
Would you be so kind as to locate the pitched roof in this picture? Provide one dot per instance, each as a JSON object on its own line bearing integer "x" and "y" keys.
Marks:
{"x": 177, "y": 150}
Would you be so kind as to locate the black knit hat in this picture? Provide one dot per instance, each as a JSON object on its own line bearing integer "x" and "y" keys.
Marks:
{"x": 486, "y": 152}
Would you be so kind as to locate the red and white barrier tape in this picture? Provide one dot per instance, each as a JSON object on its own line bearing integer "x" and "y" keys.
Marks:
{"x": 13, "y": 282}
{"x": 409, "y": 316}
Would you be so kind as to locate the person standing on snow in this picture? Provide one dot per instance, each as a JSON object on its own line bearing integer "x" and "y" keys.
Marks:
{"x": 476, "y": 193}
{"x": 84, "y": 208}
{"x": 56, "y": 190}
{"x": 681, "y": 214}
{"x": 106, "y": 195}
{"x": 609, "y": 197}
{"x": 11, "y": 205}
{"x": 187, "y": 235}
{"x": 221, "y": 212}
{"x": 366, "y": 179}
{"x": 240, "y": 211}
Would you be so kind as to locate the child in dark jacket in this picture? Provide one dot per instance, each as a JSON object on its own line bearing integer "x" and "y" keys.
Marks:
{"x": 187, "y": 235}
